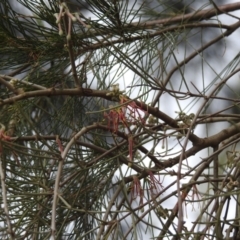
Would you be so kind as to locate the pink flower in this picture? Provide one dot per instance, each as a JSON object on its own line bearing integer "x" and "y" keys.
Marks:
{"x": 59, "y": 143}
{"x": 130, "y": 147}
{"x": 114, "y": 117}
{"x": 155, "y": 184}
{"x": 136, "y": 190}
{"x": 3, "y": 136}
{"x": 135, "y": 112}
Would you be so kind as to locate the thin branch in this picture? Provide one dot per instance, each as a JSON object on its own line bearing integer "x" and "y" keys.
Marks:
{"x": 199, "y": 15}
{"x": 75, "y": 137}
{"x": 228, "y": 32}
{"x": 155, "y": 33}
{"x": 106, "y": 215}
{"x": 55, "y": 199}
{"x": 27, "y": 83}
{"x": 9, "y": 86}
{"x": 19, "y": 70}
{"x": 5, "y": 203}
{"x": 71, "y": 53}
{"x": 58, "y": 176}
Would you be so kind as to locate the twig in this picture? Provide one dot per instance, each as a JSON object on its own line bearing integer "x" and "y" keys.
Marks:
{"x": 19, "y": 70}
{"x": 5, "y": 204}
{"x": 55, "y": 199}
{"x": 195, "y": 16}
{"x": 23, "y": 82}
{"x": 194, "y": 54}
{"x": 58, "y": 176}
{"x": 68, "y": 18}
{"x": 110, "y": 204}
{"x": 9, "y": 86}
{"x": 75, "y": 137}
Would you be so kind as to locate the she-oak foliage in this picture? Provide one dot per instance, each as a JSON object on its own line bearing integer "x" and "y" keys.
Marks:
{"x": 111, "y": 119}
